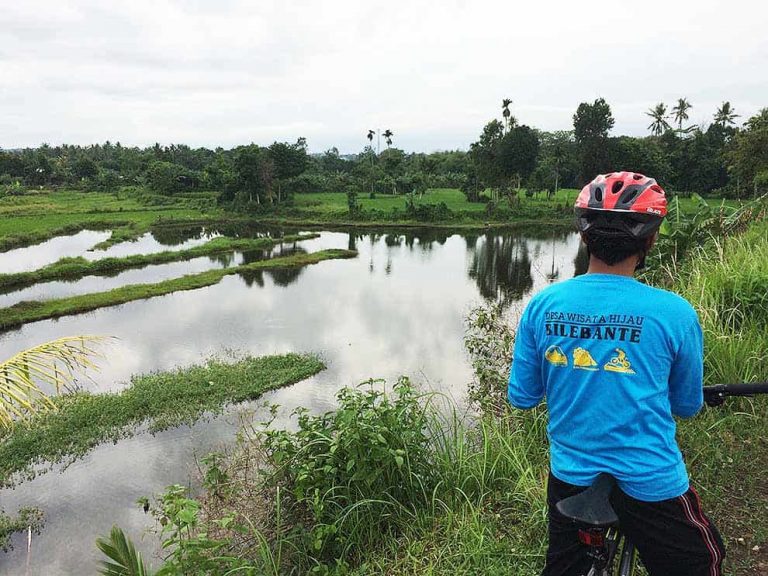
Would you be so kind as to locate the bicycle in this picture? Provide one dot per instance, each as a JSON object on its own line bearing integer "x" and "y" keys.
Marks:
{"x": 599, "y": 524}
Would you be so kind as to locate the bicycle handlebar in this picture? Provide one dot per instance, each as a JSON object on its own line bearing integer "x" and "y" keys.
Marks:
{"x": 715, "y": 395}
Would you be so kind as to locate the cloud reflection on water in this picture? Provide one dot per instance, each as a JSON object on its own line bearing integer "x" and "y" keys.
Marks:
{"x": 364, "y": 317}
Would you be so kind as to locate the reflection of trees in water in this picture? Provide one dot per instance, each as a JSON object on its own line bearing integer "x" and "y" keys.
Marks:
{"x": 427, "y": 238}
{"x": 225, "y": 260}
{"x": 175, "y": 235}
{"x": 581, "y": 260}
{"x": 280, "y": 276}
{"x": 553, "y": 273}
{"x": 424, "y": 239}
{"x": 501, "y": 267}
{"x": 352, "y": 241}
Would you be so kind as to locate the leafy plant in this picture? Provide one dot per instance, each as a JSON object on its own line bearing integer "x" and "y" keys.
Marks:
{"x": 348, "y": 471}
{"x": 56, "y": 364}
{"x": 680, "y": 233}
{"x": 489, "y": 339}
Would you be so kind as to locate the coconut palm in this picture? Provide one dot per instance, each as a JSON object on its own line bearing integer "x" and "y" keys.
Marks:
{"x": 388, "y": 137}
{"x": 659, "y": 115}
{"x": 54, "y": 364}
{"x": 124, "y": 559}
{"x": 509, "y": 120}
{"x": 505, "y": 110}
{"x": 681, "y": 111}
{"x": 725, "y": 115}
{"x": 370, "y": 136}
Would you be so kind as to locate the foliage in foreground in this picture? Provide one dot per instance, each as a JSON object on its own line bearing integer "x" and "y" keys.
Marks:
{"x": 324, "y": 497}
{"x": 161, "y": 400}
{"x": 124, "y": 560}
{"x": 55, "y": 364}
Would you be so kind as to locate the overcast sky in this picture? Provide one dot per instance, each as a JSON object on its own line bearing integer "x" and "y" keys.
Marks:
{"x": 222, "y": 73}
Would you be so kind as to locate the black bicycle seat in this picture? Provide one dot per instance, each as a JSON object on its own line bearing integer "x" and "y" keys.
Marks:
{"x": 591, "y": 506}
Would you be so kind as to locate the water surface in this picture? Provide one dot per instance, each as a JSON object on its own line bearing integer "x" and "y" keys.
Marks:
{"x": 48, "y": 252}
{"x": 396, "y": 309}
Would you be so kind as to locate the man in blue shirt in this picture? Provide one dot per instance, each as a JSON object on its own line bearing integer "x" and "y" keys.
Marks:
{"x": 616, "y": 359}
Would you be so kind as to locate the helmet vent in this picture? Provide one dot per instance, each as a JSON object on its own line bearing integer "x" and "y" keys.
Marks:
{"x": 637, "y": 177}
{"x": 656, "y": 188}
{"x": 599, "y": 194}
{"x": 617, "y": 186}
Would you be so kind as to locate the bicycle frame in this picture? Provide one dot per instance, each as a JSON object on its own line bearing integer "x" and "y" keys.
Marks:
{"x": 604, "y": 544}
{"x": 603, "y": 536}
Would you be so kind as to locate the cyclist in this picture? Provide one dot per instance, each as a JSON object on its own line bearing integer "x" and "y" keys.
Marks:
{"x": 616, "y": 359}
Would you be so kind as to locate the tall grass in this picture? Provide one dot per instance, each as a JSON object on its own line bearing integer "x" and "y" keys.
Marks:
{"x": 727, "y": 281}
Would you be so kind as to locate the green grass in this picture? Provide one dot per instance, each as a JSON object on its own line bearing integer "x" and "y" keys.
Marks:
{"x": 387, "y": 210}
{"x": 39, "y": 216}
{"x": 75, "y": 268}
{"x": 162, "y": 400}
{"x": 32, "y": 311}
{"x": 336, "y": 202}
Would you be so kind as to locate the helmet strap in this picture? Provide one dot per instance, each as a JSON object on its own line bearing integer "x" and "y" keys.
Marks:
{"x": 641, "y": 261}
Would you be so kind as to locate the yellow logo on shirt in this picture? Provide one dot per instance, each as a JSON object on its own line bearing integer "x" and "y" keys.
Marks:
{"x": 555, "y": 356}
{"x": 583, "y": 360}
{"x": 619, "y": 363}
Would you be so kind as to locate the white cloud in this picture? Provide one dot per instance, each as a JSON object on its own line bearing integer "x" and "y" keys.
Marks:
{"x": 226, "y": 73}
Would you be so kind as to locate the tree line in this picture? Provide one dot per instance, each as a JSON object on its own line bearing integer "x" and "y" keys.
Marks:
{"x": 722, "y": 159}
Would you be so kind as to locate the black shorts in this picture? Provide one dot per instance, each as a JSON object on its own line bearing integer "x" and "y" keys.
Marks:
{"x": 673, "y": 537}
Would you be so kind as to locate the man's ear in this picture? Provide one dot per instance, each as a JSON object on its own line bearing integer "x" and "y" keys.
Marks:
{"x": 651, "y": 241}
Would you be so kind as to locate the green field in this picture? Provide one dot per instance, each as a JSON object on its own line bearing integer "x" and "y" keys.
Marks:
{"x": 38, "y": 216}
{"x": 336, "y": 202}
{"x": 333, "y": 206}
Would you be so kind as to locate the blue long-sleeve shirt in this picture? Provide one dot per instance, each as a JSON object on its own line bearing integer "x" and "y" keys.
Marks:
{"x": 615, "y": 360}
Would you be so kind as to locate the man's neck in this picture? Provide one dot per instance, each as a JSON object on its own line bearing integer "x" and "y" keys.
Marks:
{"x": 623, "y": 268}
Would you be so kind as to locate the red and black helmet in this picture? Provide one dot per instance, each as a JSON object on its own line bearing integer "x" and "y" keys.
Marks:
{"x": 621, "y": 202}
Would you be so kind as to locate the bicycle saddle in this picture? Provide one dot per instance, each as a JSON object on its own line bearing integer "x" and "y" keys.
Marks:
{"x": 591, "y": 506}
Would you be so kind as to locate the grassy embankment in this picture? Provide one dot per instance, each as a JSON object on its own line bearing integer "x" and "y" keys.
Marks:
{"x": 159, "y": 400}
{"x": 726, "y": 448}
{"x": 441, "y": 207}
{"x": 40, "y": 215}
{"x": 324, "y": 209}
{"x": 75, "y": 268}
{"x": 366, "y": 491}
{"x": 32, "y": 311}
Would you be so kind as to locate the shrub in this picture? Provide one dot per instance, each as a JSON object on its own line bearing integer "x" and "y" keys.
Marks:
{"x": 349, "y": 472}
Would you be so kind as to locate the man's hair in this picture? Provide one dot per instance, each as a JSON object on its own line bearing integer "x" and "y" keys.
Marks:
{"x": 613, "y": 246}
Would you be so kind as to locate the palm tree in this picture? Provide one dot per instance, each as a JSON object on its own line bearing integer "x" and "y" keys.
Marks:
{"x": 54, "y": 364}
{"x": 370, "y": 136}
{"x": 725, "y": 115}
{"x": 123, "y": 558}
{"x": 505, "y": 111}
{"x": 388, "y": 137}
{"x": 681, "y": 111}
{"x": 659, "y": 115}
